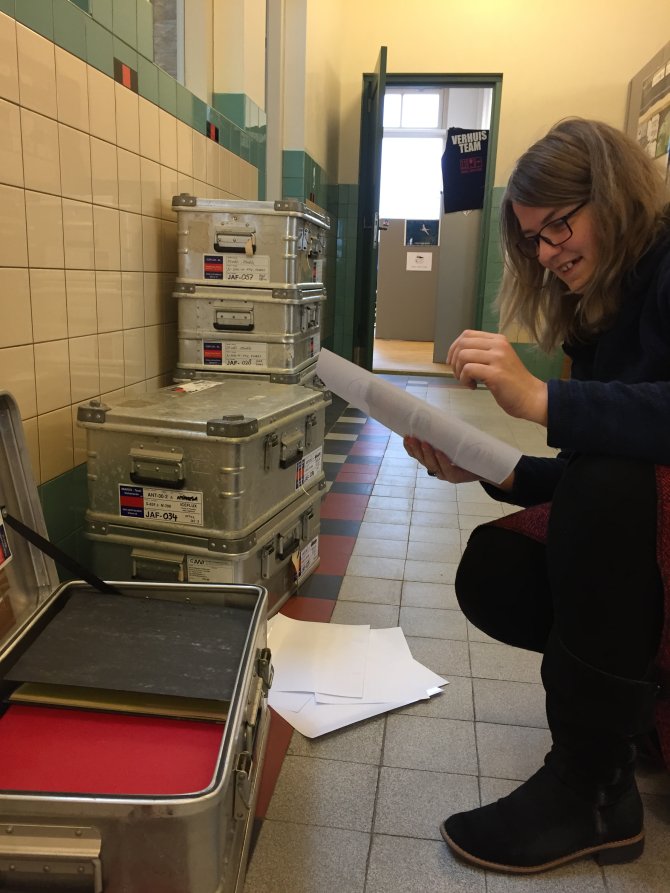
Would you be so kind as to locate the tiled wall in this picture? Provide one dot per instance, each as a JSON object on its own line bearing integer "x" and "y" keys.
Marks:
{"x": 88, "y": 169}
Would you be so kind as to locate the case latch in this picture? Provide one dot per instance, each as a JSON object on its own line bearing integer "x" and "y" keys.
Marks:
{"x": 292, "y": 448}
{"x": 310, "y": 423}
{"x": 271, "y": 444}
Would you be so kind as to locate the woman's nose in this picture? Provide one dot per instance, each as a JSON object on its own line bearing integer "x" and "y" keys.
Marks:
{"x": 547, "y": 252}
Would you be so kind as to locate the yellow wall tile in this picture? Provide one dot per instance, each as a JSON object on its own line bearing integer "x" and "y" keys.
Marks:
{"x": 212, "y": 156}
{"x": 41, "y": 160}
{"x": 11, "y": 159}
{"x": 9, "y": 73}
{"x": 110, "y": 359}
{"x": 17, "y": 373}
{"x": 184, "y": 148}
{"x": 168, "y": 139}
{"x": 184, "y": 184}
{"x": 131, "y": 242}
{"x": 84, "y": 373}
{"x": 127, "y": 119}
{"x": 75, "y": 163}
{"x": 101, "y": 105}
{"x": 15, "y": 311}
{"x": 153, "y": 342}
{"x": 49, "y": 304}
{"x": 104, "y": 173}
{"x": 153, "y": 300}
{"x": 52, "y": 375}
{"x": 130, "y": 195}
{"x": 169, "y": 301}
{"x": 56, "y": 446}
{"x": 132, "y": 295}
{"x": 149, "y": 130}
{"x": 33, "y": 444}
{"x": 107, "y": 239}
{"x": 78, "y": 235}
{"x": 169, "y": 188}
{"x": 108, "y": 300}
{"x": 151, "y": 244}
{"x": 37, "y": 71}
{"x": 134, "y": 356}
{"x": 169, "y": 246}
{"x": 44, "y": 219}
{"x": 79, "y": 443}
{"x": 13, "y": 249}
{"x": 200, "y": 156}
{"x": 224, "y": 169}
{"x": 150, "y": 173}
{"x": 82, "y": 315}
{"x": 71, "y": 90}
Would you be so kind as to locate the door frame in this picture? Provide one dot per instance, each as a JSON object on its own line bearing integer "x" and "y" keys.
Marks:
{"x": 494, "y": 81}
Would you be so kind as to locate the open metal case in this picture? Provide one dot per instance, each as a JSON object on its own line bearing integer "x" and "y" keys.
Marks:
{"x": 125, "y": 836}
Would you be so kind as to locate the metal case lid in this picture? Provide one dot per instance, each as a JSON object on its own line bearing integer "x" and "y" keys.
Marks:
{"x": 27, "y": 576}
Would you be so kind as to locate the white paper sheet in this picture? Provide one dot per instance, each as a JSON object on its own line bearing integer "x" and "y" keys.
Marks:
{"x": 392, "y": 678}
{"x": 311, "y": 657}
{"x": 403, "y": 413}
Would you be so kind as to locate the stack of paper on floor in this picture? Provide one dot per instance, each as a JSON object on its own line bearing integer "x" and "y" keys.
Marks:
{"x": 329, "y": 675}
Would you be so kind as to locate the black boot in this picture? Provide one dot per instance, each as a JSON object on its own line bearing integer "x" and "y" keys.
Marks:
{"x": 584, "y": 800}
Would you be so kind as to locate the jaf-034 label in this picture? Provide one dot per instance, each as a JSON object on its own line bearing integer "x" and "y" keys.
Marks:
{"x": 154, "y": 504}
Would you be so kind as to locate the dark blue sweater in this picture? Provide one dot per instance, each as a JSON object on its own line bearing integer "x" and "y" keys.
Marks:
{"x": 617, "y": 401}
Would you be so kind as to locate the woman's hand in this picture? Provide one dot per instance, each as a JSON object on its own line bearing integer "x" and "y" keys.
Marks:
{"x": 490, "y": 358}
{"x": 436, "y": 462}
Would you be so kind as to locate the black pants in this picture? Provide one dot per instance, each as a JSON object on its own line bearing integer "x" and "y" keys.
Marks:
{"x": 596, "y": 579}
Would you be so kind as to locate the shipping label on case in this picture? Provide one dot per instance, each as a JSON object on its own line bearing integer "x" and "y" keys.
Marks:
{"x": 308, "y": 468}
{"x": 154, "y": 504}
{"x": 212, "y": 266}
{"x": 241, "y": 268}
{"x": 308, "y": 557}
{"x": 208, "y": 570}
{"x": 5, "y": 550}
{"x": 192, "y": 387}
{"x": 235, "y": 354}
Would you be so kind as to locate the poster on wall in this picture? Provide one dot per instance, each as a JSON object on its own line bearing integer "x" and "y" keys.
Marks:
{"x": 464, "y": 169}
{"x": 653, "y": 120}
{"x": 422, "y": 232}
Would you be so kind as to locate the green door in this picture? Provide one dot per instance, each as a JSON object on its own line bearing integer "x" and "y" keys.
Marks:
{"x": 369, "y": 179}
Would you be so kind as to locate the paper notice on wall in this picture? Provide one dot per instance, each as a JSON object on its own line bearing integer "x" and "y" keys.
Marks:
{"x": 468, "y": 447}
{"x": 419, "y": 261}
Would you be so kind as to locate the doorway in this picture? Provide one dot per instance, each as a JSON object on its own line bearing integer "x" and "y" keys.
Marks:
{"x": 416, "y": 120}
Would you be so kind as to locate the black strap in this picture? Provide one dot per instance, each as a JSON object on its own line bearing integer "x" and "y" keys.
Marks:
{"x": 57, "y": 554}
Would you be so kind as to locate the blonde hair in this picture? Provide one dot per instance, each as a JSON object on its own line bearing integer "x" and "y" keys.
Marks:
{"x": 579, "y": 160}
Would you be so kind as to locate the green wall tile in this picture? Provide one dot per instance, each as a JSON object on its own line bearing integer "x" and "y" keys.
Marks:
{"x": 64, "y": 500}
{"x": 292, "y": 187}
{"x": 145, "y": 29}
{"x": 184, "y": 105}
{"x": 226, "y": 133}
{"x": 539, "y": 363}
{"x": 167, "y": 92}
{"x": 101, "y": 10}
{"x": 70, "y": 27}
{"x": 235, "y": 139}
{"x": 8, "y": 7}
{"x": 147, "y": 79}
{"x": 199, "y": 114}
{"x": 232, "y": 105}
{"x": 83, "y": 5}
{"x": 293, "y": 163}
{"x": 99, "y": 48}
{"x": 125, "y": 53}
{"x": 124, "y": 21}
{"x": 36, "y": 15}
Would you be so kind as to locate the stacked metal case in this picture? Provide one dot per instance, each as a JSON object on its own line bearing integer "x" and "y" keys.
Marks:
{"x": 219, "y": 478}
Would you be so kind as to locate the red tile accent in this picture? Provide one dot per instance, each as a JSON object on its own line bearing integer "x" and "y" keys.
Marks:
{"x": 335, "y": 552}
{"x": 344, "y": 506}
{"x": 357, "y": 477}
{"x": 126, "y": 79}
{"x": 302, "y": 607}
{"x": 361, "y": 448}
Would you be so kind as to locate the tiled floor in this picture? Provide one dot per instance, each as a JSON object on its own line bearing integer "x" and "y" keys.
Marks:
{"x": 357, "y": 811}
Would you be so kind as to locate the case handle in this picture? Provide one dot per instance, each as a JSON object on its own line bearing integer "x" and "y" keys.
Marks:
{"x": 34, "y": 857}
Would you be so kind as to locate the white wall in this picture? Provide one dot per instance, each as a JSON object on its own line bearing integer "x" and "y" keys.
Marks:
{"x": 239, "y": 48}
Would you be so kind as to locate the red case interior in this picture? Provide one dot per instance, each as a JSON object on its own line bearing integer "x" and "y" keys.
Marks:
{"x": 54, "y": 750}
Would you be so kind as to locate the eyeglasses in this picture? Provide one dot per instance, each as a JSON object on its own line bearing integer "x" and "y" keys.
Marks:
{"x": 553, "y": 233}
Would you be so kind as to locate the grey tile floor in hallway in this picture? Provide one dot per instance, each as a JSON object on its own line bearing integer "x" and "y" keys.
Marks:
{"x": 358, "y": 810}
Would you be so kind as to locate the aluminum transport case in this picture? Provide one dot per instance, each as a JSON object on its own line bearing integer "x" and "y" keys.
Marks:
{"x": 220, "y": 312}
{"x": 250, "y": 244}
{"x": 279, "y": 556}
{"x": 206, "y": 458}
{"x": 306, "y": 376}
{"x": 122, "y": 796}
{"x": 266, "y": 354}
